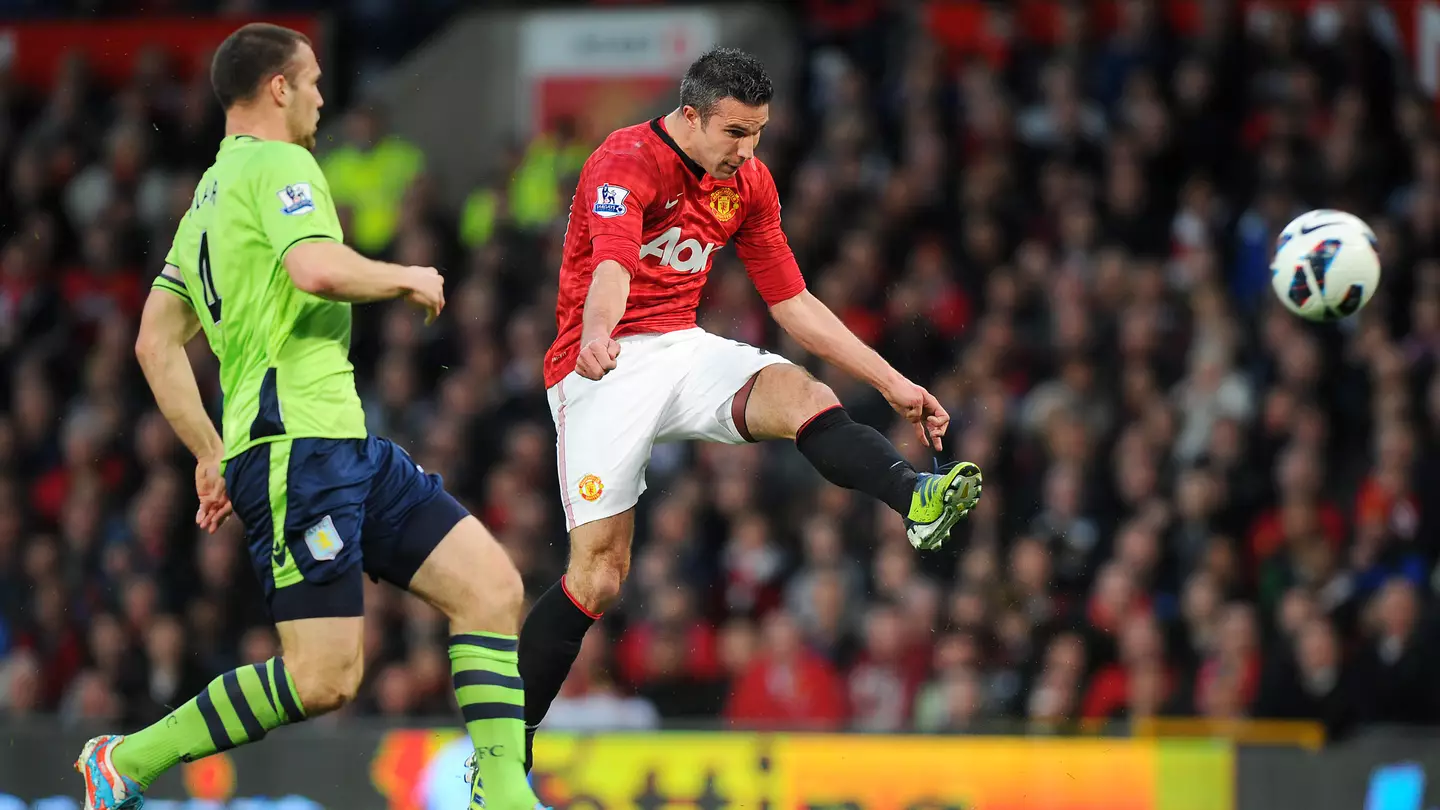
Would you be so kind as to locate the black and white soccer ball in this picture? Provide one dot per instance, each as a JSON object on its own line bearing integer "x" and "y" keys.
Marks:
{"x": 1326, "y": 265}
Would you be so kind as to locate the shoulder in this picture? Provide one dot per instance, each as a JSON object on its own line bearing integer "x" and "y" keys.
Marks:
{"x": 756, "y": 177}
{"x": 756, "y": 187}
{"x": 625, "y": 161}
{"x": 630, "y": 147}
{"x": 636, "y": 139}
{"x": 282, "y": 156}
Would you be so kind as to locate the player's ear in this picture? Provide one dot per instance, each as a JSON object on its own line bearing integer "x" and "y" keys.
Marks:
{"x": 279, "y": 88}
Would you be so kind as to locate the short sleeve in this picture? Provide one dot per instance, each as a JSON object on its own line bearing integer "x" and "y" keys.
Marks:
{"x": 761, "y": 244}
{"x": 171, "y": 281}
{"x": 614, "y": 190}
{"x": 172, "y": 256}
{"x": 294, "y": 200}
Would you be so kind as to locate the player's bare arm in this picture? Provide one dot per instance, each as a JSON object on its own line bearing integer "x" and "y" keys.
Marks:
{"x": 335, "y": 272}
{"x": 604, "y": 307}
{"x": 167, "y": 324}
{"x": 817, "y": 330}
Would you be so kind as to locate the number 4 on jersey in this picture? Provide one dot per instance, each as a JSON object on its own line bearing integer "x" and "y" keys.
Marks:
{"x": 207, "y": 280}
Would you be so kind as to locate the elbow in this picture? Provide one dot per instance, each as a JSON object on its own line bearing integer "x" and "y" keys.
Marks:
{"x": 160, "y": 341}
{"x": 149, "y": 348}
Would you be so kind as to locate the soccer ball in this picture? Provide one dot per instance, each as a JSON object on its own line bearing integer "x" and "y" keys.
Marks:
{"x": 1326, "y": 266}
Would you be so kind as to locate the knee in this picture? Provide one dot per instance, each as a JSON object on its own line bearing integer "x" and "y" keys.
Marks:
{"x": 325, "y": 683}
{"x": 818, "y": 397}
{"x": 815, "y": 398}
{"x": 594, "y": 579}
{"x": 507, "y": 593}
{"x": 492, "y": 603}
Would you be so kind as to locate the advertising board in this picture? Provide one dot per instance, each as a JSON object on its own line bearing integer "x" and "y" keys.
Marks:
{"x": 602, "y": 69}
{"x": 1389, "y": 771}
{"x": 423, "y": 769}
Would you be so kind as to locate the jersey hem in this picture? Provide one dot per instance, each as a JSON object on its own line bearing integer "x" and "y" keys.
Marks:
{"x": 178, "y": 292}
{"x": 285, "y": 437}
{"x": 555, "y": 372}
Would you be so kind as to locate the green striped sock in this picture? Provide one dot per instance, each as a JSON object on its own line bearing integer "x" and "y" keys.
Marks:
{"x": 485, "y": 668}
{"x": 238, "y": 707}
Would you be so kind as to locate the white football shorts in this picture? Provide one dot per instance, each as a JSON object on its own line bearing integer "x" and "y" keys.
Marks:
{"x": 665, "y": 387}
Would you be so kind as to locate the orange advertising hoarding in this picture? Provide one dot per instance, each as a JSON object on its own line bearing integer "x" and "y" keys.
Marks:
{"x": 413, "y": 771}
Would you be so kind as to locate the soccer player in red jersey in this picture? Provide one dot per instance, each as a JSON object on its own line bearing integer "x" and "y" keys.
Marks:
{"x": 630, "y": 367}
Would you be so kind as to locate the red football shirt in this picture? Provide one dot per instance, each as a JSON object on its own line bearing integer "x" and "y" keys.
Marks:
{"x": 644, "y": 203}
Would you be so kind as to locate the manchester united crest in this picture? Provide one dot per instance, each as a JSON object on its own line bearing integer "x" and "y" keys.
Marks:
{"x": 591, "y": 487}
{"x": 725, "y": 202}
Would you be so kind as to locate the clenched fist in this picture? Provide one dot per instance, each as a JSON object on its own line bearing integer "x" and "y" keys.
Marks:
{"x": 597, "y": 358}
{"x": 426, "y": 289}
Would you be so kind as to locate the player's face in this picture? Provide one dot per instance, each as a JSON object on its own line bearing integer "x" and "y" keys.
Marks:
{"x": 302, "y": 109}
{"x": 729, "y": 137}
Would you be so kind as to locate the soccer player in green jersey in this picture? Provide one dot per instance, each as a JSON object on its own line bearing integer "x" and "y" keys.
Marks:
{"x": 258, "y": 264}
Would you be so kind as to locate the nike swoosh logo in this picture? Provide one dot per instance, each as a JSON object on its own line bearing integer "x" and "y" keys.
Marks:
{"x": 1313, "y": 228}
{"x": 672, "y": 203}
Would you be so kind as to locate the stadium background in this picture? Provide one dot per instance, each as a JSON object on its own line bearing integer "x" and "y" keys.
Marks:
{"x": 1205, "y": 536}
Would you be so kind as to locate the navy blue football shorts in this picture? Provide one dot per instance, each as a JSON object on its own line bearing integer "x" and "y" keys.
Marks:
{"x": 320, "y": 514}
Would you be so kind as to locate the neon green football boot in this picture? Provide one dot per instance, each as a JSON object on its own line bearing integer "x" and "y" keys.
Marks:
{"x": 477, "y": 791}
{"x": 940, "y": 499}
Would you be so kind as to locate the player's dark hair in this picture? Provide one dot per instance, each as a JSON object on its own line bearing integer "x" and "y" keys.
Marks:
{"x": 249, "y": 57}
{"x": 724, "y": 73}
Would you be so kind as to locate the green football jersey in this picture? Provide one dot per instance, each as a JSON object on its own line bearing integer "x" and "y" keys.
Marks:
{"x": 284, "y": 354}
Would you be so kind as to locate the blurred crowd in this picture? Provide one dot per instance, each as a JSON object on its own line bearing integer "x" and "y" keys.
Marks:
{"x": 1195, "y": 504}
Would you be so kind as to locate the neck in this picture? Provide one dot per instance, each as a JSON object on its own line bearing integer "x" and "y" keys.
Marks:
{"x": 675, "y": 125}
{"x": 263, "y": 124}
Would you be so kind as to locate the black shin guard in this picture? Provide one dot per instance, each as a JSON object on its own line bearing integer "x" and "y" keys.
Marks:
{"x": 858, "y": 457}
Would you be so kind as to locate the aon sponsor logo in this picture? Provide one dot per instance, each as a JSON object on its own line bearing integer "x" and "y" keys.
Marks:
{"x": 687, "y": 256}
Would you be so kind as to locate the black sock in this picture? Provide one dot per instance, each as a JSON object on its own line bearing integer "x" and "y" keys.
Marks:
{"x": 549, "y": 643}
{"x": 858, "y": 457}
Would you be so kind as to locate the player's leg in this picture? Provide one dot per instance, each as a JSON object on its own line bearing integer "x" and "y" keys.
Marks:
{"x": 472, "y": 581}
{"x": 420, "y": 538}
{"x": 785, "y": 402}
{"x": 318, "y": 671}
{"x": 558, "y": 621}
{"x": 317, "y": 604}
{"x": 604, "y": 431}
{"x": 745, "y": 394}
